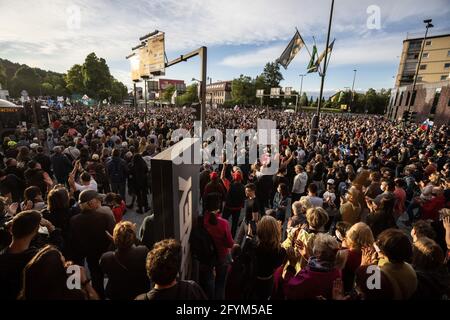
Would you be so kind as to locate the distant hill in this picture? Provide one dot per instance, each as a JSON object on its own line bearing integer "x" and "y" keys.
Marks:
{"x": 43, "y": 76}
{"x": 92, "y": 77}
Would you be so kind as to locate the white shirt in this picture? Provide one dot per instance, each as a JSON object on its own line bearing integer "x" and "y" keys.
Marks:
{"x": 315, "y": 201}
{"x": 299, "y": 184}
{"x": 91, "y": 186}
{"x": 301, "y": 155}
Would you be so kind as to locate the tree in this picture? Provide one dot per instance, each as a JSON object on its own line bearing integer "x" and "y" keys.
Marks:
{"x": 118, "y": 91}
{"x": 27, "y": 79}
{"x": 74, "y": 79}
{"x": 303, "y": 100}
{"x": 190, "y": 96}
{"x": 3, "y": 78}
{"x": 168, "y": 93}
{"x": 272, "y": 75}
{"x": 243, "y": 90}
{"x": 47, "y": 89}
{"x": 96, "y": 77}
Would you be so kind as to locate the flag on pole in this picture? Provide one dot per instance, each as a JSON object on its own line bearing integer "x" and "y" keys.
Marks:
{"x": 311, "y": 66}
{"x": 291, "y": 50}
{"x": 316, "y": 65}
{"x": 426, "y": 125}
{"x": 173, "y": 99}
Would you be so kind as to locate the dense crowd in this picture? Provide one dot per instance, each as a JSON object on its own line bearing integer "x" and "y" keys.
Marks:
{"x": 367, "y": 198}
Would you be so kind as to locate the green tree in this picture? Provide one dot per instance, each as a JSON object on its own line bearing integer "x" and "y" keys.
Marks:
{"x": 190, "y": 96}
{"x": 118, "y": 92}
{"x": 47, "y": 89}
{"x": 168, "y": 92}
{"x": 303, "y": 100}
{"x": 74, "y": 80}
{"x": 272, "y": 75}
{"x": 96, "y": 77}
{"x": 243, "y": 90}
{"x": 371, "y": 101}
{"x": 3, "y": 78}
{"x": 27, "y": 79}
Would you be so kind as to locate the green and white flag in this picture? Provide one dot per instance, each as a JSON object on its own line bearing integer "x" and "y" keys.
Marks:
{"x": 311, "y": 65}
{"x": 322, "y": 55}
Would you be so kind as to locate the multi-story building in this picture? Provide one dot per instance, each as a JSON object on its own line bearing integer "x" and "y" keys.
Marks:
{"x": 431, "y": 97}
{"x": 435, "y": 64}
{"x": 218, "y": 93}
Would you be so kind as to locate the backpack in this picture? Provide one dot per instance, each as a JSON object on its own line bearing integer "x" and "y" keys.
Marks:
{"x": 202, "y": 245}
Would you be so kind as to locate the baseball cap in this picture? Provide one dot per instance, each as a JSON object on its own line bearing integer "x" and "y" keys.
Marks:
{"x": 330, "y": 181}
{"x": 88, "y": 195}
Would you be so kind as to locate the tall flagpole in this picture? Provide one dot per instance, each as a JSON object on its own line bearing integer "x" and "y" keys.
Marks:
{"x": 316, "y": 118}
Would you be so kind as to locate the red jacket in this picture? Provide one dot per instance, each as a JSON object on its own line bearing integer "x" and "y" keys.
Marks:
{"x": 308, "y": 284}
{"x": 221, "y": 235}
{"x": 430, "y": 209}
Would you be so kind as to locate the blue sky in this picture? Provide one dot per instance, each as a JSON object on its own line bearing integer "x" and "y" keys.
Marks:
{"x": 241, "y": 36}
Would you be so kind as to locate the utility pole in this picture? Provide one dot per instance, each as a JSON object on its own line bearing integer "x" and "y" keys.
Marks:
{"x": 413, "y": 95}
{"x": 353, "y": 92}
{"x": 301, "y": 89}
{"x": 316, "y": 119}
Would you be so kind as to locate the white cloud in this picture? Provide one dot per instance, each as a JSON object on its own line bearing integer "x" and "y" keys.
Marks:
{"x": 347, "y": 51}
{"x": 39, "y": 30}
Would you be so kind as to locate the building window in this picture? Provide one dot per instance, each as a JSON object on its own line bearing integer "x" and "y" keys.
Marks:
{"x": 443, "y": 78}
{"x": 423, "y": 67}
{"x": 425, "y": 55}
{"x": 447, "y": 65}
{"x": 448, "y": 53}
{"x": 428, "y": 43}
{"x": 401, "y": 99}
{"x": 419, "y": 79}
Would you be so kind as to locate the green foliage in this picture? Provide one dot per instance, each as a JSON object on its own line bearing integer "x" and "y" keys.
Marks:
{"x": 118, "y": 91}
{"x": 3, "y": 79}
{"x": 272, "y": 75}
{"x": 74, "y": 79}
{"x": 372, "y": 102}
{"x": 93, "y": 78}
{"x": 304, "y": 100}
{"x": 168, "y": 92}
{"x": 243, "y": 90}
{"x": 47, "y": 88}
{"x": 27, "y": 79}
{"x": 96, "y": 77}
{"x": 189, "y": 97}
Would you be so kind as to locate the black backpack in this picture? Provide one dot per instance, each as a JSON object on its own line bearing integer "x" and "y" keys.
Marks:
{"x": 202, "y": 245}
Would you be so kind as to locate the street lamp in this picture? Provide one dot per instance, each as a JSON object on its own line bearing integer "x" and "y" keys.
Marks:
{"x": 301, "y": 89}
{"x": 353, "y": 91}
{"x": 413, "y": 96}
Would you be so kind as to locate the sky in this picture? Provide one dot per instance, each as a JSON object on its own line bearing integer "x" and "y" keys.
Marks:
{"x": 241, "y": 36}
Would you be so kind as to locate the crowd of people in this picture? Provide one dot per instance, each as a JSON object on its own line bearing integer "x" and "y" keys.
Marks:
{"x": 368, "y": 197}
